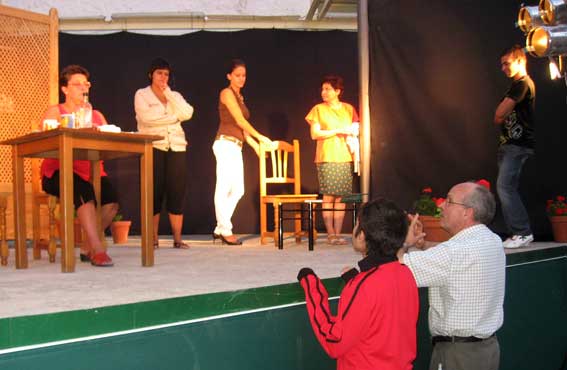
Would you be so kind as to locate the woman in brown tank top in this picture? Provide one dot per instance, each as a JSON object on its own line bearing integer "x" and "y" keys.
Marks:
{"x": 234, "y": 129}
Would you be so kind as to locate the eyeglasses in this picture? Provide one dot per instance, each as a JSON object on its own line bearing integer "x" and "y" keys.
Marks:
{"x": 449, "y": 201}
{"x": 86, "y": 84}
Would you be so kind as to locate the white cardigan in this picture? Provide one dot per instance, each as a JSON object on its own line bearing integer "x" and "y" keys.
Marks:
{"x": 154, "y": 118}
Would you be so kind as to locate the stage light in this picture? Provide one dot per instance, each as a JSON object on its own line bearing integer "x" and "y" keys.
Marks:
{"x": 528, "y": 18}
{"x": 545, "y": 41}
{"x": 553, "y": 12}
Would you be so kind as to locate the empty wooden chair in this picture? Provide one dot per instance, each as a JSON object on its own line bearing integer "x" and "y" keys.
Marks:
{"x": 275, "y": 169}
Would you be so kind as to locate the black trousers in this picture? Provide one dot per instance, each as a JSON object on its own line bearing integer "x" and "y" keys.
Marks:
{"x": 83, "y": 191}
{"x": 170, "y": 181}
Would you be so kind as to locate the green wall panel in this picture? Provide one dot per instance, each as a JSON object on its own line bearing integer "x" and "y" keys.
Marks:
{"x": 279, "y": 339}
{"x": 534, "y": 335}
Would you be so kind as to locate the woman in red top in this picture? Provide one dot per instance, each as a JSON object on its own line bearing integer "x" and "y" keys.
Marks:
{"x": 375, "y": 325}
{"x": 74, "y": 83}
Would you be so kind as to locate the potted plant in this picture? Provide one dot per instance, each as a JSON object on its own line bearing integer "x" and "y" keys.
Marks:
{"x": 427, "y": 207}
{"x": 557, "y": 212}
{"x": 120, "y": 229}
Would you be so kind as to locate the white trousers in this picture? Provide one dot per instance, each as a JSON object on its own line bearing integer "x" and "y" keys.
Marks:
{"x": 230, "y": 183}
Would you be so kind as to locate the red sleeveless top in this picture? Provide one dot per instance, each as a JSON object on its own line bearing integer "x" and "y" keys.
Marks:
{"x": 81, "y": 168}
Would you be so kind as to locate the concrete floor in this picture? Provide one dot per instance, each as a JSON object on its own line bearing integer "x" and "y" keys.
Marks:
{"x": 205, "y": 268}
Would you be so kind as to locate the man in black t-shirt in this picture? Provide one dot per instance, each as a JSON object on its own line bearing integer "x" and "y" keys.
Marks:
{"x": 515, "y": 115}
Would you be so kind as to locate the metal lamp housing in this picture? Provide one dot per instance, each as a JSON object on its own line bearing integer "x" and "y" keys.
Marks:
{"x": 553, "y": 12}
{"x": 529, "y": 18}
{"x": 546, "y": 41}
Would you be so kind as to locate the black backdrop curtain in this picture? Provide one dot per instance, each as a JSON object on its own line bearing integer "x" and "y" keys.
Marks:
{"x": 284, "y": 73}
{"x": 435, "y": 83}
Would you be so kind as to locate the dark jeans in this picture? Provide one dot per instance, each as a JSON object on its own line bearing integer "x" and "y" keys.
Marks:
{"x": 511, "y": 159}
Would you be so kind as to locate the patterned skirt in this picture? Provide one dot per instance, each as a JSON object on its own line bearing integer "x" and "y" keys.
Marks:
{"x": 335, "y": 178}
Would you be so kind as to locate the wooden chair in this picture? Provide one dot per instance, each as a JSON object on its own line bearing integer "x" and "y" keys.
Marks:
{"x": 30, "y": 68}
{"x": 40, "y": 198}
{"x": 4, "y": 252}
{"x": 278, "y": 159}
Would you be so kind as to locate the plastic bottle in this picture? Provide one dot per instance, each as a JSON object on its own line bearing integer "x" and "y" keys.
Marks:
{"x": 79, "y": 117}
{"x": 88, "y": 111}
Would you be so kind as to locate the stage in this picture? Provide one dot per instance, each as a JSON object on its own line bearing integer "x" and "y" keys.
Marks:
{"x": 238, "y": 295}
{"x": 204, "y": 268}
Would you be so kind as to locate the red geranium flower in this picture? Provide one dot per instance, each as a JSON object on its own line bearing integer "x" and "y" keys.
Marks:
{"x": 438, "y": 201}
{"x": 483, "y": 182}
{"x": 426, "y": 204}
{"x": 557, "y": 206}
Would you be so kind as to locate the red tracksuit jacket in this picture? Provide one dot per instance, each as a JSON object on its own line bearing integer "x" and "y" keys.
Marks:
{"x": 375, "y": 327}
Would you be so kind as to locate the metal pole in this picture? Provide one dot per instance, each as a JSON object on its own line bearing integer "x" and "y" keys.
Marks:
{"x": 363, "y": 73}
{"x": 310, "y": 225}
{"x": 280, "y": 229}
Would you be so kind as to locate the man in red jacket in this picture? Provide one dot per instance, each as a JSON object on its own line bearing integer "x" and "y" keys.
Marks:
{"x": 375, "y": 327}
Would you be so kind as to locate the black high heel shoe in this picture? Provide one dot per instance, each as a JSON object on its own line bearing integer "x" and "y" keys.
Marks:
{"x": 215, "y": 237}
{"x": 228, "y": 242}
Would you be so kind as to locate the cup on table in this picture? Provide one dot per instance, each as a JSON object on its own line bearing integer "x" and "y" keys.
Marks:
{"x": 68, "y": 120}
{"x": 50, "y": 124}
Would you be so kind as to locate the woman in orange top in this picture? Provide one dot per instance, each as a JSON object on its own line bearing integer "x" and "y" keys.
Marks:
{"x": 332, "y": 123}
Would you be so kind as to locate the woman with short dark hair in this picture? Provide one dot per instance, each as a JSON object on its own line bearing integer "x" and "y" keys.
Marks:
{"x": 160, "y": 111}
{"x": 332, "y": 123}
{"x": 74, "y": 83}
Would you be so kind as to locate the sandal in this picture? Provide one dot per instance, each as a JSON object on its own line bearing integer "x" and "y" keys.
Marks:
{"x": 156, "y": 245}
{"x": 331, "y": 239}
{"x": 339, "y": 240}
{"x": 181, "y": 245}
{"x": 101, "y": 259}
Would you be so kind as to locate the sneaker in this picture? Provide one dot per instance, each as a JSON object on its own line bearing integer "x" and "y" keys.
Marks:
{"x": 518, "y": 241}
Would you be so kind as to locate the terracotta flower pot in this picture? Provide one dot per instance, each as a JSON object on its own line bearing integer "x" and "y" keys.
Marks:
{"x": 559, "y": 226}
{"x": 432, "y": 229}
{"x": 120, "y": 230}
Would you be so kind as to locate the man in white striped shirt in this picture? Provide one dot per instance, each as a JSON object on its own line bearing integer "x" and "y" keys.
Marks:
{"x": 466, "y": 280}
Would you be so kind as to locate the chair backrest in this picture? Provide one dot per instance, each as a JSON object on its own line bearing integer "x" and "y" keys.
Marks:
{"x": 275, "y": 166}
{"x": 28, "y": 84}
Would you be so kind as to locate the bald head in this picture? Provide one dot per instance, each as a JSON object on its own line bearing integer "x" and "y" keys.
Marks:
{"x": 467, "y": 204}
{"x": 481, "y": 200}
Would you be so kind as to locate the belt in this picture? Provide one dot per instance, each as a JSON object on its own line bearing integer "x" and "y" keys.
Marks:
{"x": 229, "y": 138}
{"x": 439, "y": 338}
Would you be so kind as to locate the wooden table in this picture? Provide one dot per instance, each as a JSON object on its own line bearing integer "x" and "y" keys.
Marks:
{"x": 87, "y": 144}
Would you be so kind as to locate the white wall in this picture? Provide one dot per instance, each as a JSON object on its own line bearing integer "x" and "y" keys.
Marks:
{"x": 89, "y": 8}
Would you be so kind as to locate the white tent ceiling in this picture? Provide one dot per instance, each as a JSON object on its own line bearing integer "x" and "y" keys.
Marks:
{"x": 182, "y": 16}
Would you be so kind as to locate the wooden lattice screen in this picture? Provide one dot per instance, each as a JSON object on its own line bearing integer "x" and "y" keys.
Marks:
{"x": 28, "y": 79}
